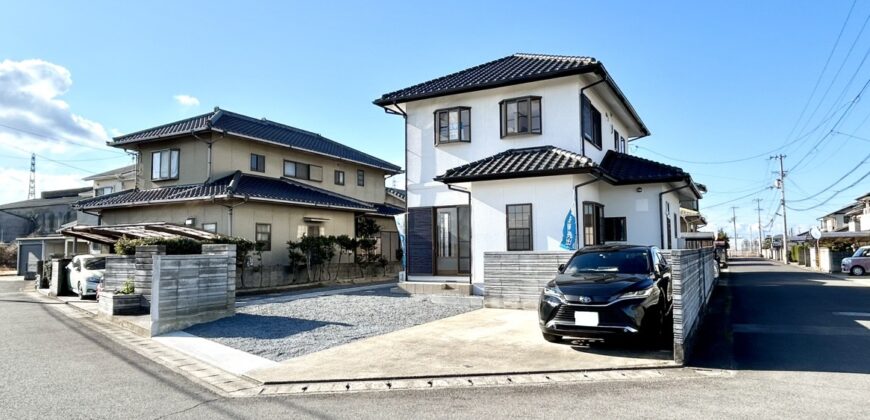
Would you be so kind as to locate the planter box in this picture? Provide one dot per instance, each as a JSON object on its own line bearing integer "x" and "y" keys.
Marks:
{"x": 115, "y": 304}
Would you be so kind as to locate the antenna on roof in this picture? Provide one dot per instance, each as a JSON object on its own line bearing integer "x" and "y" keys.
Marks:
{"x": 31, "y": 191}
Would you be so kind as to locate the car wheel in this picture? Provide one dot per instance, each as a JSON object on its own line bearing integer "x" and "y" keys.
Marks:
{"x": 551, "y": 338}
{"x": 652, "y": 331}
{"x": 857, "y": 270}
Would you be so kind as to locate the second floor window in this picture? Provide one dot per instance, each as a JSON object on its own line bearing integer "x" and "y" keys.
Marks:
{"x": 103, "y": 191}
{"x": 210, "y": 227}
{"x": 361, "y": 178}
{"x": 591, "y": 121}
{"x": 339, "y": 177}
{"x": 164, "y": 164}
{"x": 303, "y": 171}
{"x": 453, "y": 125}
{"x": 258, "y": 163}
{"x": 521, "y": 116}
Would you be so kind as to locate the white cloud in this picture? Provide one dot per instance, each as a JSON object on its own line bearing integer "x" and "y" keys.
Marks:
{"x": 40, "y": 121}
{"x": 18, "y": 181}
{"x": 186, "y": 100}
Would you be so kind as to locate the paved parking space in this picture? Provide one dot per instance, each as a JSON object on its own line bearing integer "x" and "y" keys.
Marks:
{"x": 481, "y": 342}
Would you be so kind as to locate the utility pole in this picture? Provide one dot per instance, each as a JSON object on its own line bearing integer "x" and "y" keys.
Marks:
{"x": 31, "y": 191}
{"x": 782, "y": 174}
{"x": 734, "y": 222}
{"x": 758, "y": 209}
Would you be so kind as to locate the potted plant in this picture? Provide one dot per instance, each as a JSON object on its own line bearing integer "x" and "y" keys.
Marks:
{"x": 121, "y": 301}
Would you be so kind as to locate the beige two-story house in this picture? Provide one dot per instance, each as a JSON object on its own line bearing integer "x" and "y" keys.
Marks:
{"x": 253, "y": 178}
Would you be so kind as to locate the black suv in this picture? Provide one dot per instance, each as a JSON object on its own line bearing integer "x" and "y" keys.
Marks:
{"x": 606, "y": 291}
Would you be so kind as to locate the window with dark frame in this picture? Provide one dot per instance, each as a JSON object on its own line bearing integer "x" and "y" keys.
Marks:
{"x": 591, "y": 121}
{"x": 622, "y": 144}
{"x": 519, "y": 227}
{"x": 258, "y": 163}
{"x": 164, "y": 164}
{"x": 303, "y": 171}
{"x": 593, "y": 223}
{"x": 453, "y": 125}
{"x": 360, "y": 178}
{"x": 263, "y": 235}
{"x": 616, "y": 140}
{"x": 210, "y": 227}
{"x": 339, "y": 177}
{"x": 520, "y": 116}
{"x": 615, "y": 229}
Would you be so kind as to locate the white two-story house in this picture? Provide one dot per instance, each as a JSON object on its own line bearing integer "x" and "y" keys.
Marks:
{"x": 504, "y": 156}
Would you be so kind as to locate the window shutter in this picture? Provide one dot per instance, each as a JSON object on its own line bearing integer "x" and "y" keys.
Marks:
{"x": 420, "y": 241}
{"x": 586, "y": 117}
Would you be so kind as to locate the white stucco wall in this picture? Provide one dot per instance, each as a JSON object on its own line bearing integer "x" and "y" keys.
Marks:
{"x": 551, "y": 198}
{"x": 560, "y": 116}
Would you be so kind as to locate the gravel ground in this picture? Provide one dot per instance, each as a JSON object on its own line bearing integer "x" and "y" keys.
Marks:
{"x": 280, "y": 331}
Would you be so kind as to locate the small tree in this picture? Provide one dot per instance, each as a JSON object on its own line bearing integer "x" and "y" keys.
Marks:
{"x": 345, "y": 244}
{"x": 367, "y": 231}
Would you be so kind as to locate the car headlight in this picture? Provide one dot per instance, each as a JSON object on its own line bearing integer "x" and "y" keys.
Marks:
{"x": 637, "y": 293}
{"x": 847, "y": 261}
{"x": 94, "y": 279}
{"x": 552, "y": 295}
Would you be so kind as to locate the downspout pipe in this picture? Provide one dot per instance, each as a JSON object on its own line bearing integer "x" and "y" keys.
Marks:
{"x": 471, "y": 231}
{"x": 596, "y": 177}
{"x": 661, "y": 218}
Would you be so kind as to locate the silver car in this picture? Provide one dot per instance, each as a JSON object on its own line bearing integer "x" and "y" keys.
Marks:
{"x": 859, "y": 263}
{"x": 85, "y": 274}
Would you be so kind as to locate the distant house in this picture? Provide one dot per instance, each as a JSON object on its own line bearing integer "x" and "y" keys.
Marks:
{"x": 852, "y": 218}
{"x": 115, "y": 180}
{"x": 231, "y": 174}
{"x": 528, "y": 153}
{"x": 33, "y": 224}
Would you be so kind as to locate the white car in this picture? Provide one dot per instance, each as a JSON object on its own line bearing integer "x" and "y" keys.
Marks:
{"x": 85, "y": 274}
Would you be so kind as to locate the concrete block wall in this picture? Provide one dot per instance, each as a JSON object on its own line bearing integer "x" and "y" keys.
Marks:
{"x": 692, "y": 279}
{"x": 192, "y": 289}
{"x": 144, "y": 260}
{"x": 514, "y": 280}
{"x": 119, "y": 268}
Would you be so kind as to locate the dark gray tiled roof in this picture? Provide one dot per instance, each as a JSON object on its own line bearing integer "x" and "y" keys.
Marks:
{"x": 519, "y": 163}
{"x": 627, "y": 169}
{"x": 513, "y": 69}
{"x": 386, "y": 209}
{"x": 400, "y": 194}
{"x": 259, "y": 129}
{"x": 237, "y": 185}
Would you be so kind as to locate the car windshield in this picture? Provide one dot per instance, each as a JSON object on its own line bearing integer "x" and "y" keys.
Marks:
{"x": 861, "y": 252}
{"x": 625, "y": 261}
{"x": 98, "y": 263}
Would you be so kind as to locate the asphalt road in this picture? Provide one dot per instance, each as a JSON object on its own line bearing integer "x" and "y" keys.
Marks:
{"x": 778, "y": 327}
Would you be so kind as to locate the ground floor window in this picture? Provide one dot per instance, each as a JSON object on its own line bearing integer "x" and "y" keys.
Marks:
{"x": 210, "y": 227}
{"x": 388, "y": 243}
{"x": 615, "y": 229}
{"x": 519, "y": 227}
{"x": 593, "y": 223}
{"x": 263, "y": 235}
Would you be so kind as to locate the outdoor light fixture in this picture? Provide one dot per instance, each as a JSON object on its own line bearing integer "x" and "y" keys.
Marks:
{"x": 639, "y": 189}
{"x": 190, "y": 221}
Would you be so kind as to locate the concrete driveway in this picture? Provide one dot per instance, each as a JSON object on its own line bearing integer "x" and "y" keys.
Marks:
{"x": 481, "y": 342}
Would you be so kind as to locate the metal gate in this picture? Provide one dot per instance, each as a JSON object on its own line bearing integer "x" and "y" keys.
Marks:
{"x": 28, "y": 257}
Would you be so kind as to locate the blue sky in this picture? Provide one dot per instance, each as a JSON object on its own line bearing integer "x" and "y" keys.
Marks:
{"x": 714, "y": 82}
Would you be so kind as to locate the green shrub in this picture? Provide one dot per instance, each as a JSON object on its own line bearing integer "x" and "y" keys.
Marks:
{"x": 128, "y": 289}
{"x": 8, "y": 255}
{"x": 174, "y": 246}
{"x": 243, "y": 246}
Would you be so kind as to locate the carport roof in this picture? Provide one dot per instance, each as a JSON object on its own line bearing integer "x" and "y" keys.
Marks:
{"x": 109, "y": 234}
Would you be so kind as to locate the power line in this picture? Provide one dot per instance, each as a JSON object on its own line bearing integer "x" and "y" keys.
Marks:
{"x": 836, "y": 193}
{"x": 55, "y": 161}
{"x": 74, "y": 143}
{"x": 824, "y": 69}
{"x": 828, "y": 188}
{"x": 737, "y": 199}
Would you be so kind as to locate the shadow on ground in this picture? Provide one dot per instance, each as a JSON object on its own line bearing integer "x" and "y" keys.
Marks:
{"x": 768, "y": 316}
{"x": 258, "y": 326}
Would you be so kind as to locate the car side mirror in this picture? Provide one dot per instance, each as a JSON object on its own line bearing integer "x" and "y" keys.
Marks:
{"x": 561, "y": 268}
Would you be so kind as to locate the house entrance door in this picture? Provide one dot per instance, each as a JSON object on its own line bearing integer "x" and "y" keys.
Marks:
{"x": 447, "y": 241}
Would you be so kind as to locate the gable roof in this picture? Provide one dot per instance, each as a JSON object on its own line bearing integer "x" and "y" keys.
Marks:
{"x": 222, "y": 121}
{"x": 511, "y": 70}
{"x": 520, "y": 163}
{"x": 236, "y": 185}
